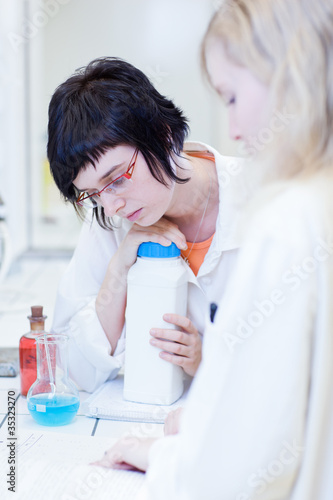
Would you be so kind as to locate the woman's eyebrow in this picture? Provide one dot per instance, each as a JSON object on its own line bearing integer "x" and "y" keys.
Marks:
{"x": 111, "y": 170}
{"x": 104, "y": 176}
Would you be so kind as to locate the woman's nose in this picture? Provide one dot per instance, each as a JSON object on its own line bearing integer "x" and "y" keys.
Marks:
{"x": 111, "y": 203}
{"x": 234, "y": 131}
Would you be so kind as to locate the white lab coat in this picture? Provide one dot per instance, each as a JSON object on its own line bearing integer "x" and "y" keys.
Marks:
{"x": 259, "y": 420}
{"x": 90, "y": 362}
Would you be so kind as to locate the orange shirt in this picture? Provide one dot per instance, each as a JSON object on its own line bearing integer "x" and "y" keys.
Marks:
{"x": 198, "y": 251}
{"x": 197, "y": 254}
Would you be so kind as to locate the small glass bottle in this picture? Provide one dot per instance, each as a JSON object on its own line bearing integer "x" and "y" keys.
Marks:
{"x": 27, "y": 349}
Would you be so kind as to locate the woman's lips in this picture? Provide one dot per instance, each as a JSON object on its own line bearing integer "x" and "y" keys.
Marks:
{"x": 134, "y": 215}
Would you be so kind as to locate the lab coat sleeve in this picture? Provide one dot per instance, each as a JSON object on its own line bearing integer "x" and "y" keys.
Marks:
{"x": 90, "y": 360}
{"x": 242, "y": 435}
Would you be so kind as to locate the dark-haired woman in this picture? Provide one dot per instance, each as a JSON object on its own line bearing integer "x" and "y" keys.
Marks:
{"x": 116, "y": 150}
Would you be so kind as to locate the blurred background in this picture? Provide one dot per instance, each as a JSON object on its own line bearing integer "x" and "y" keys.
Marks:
{"x": 41, "y": 43}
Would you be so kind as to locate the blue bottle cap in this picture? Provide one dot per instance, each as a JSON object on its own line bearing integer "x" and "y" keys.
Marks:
{"x": 155, "y": 250}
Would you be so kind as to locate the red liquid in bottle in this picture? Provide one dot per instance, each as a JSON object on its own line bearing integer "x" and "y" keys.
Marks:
{"x": 27, "y": 349}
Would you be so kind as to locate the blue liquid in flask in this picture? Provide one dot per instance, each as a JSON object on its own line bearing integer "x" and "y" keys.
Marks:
{"x": 57, "y": 410}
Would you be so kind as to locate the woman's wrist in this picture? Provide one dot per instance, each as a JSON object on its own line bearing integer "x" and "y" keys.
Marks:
{"x": 111, "y": 302}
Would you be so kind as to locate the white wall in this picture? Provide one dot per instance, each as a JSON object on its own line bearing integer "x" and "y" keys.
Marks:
{"x": 13, "y": 154}
{"x": 161, "y": 37}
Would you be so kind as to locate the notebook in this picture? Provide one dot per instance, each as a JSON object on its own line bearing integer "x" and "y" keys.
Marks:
{"x": 107, "y": 402}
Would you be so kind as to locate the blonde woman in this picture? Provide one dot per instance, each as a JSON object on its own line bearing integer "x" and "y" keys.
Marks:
{"x": 259, "y": 418}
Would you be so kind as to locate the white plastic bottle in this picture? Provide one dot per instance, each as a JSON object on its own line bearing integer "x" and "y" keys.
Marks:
{"x": 156, "y": 284}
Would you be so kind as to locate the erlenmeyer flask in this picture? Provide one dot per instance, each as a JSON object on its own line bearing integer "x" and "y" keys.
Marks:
{"x": 53, "y": 399}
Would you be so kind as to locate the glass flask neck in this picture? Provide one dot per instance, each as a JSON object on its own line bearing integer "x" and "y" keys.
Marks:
{"x": 52, "y": 362}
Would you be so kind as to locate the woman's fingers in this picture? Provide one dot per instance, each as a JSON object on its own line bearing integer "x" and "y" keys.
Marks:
{"x": 180, "y": 322}
{"x": 163, "y": 232}
{"x": 172, "y": 347}
{"x": 186, "y": 336}
{"x": 179, "y": 347}
{"x": 129, "y": 453}
{"x": 170, "y": 335}
{"x": 172, "y": 421}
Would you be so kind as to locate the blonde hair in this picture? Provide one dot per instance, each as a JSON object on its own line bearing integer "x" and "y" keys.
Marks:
{"x": 288, "y": 44}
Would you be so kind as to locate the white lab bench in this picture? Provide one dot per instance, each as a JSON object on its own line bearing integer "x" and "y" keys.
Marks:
{"x": 80, "y": 425}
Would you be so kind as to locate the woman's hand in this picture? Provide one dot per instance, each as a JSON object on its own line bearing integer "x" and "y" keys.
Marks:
{"x": 163, "y": 232}
{"x": 182, "y": 347}
{"x": 129, "y": 453}
{"x": 172, "y": 421}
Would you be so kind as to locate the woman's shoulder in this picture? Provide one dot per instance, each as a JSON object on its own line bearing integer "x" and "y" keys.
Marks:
{"x": 310, "y": 197}
{"x": 294, "y": 210}
{"x": 224, "y": 162}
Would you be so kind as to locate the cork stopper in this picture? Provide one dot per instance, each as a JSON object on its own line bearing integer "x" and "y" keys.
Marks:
{"x": 36, "y": 311}
{"x": 37, "y": 320}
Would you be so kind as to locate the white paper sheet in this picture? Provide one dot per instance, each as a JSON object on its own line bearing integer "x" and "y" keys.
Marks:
{"x": 53, "y": 466}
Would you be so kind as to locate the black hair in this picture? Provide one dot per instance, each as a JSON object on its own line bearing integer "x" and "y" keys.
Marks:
{"x": 105, "y": 104}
